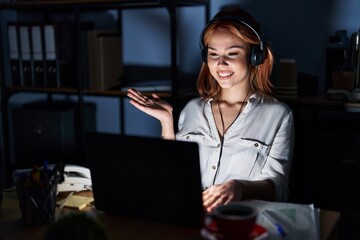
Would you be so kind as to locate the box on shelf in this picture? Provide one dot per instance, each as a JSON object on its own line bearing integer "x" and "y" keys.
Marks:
{"x": 104, "y": 59}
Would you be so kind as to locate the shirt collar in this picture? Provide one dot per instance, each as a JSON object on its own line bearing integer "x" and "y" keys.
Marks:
{"x": 255, "y": 97}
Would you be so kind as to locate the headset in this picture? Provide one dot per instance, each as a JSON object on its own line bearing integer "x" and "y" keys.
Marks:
{"x": 257, "y": 55}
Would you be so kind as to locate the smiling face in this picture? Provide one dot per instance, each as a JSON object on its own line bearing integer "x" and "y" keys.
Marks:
{"x": 228, "y": 59}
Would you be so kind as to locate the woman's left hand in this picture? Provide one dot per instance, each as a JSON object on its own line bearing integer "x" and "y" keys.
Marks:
{"x": 222, "y": 194}
{"x": 154, "y": 105}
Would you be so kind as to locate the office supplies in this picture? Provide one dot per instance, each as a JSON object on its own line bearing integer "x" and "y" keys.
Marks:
{"x": 14, "y": 54}
{"x": 36, "y": 190}
{"x": 148, "y": 178}
{"x": 38, "y": 55}
{"x": 64, "y": 201}
{"x": 75, "y": 201}
{"x": 25, "y": 50}
{"x": 76, "y": 178}
{"x": 287, "y": 220}
{"x": 278, "y": 228}
{"x": 52, "y": 70}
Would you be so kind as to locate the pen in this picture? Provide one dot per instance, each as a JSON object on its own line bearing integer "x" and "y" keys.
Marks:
{"x": 46, "y": 167}
{"x": 279, "y": 229}
{"x": 35, "y": 174}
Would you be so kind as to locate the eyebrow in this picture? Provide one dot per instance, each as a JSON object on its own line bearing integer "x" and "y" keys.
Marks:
{"x": 228, "y": 48}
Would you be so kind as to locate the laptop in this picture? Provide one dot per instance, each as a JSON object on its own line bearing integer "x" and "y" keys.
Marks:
{"x": 147, "y": 178}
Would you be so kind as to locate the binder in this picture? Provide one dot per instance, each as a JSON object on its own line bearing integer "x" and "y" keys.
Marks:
{"x": 38, "y": 55}
{"x": 61, "y": 53}
{"x": 52, "y": 73}
{"x": 16, "y": 79}
{"x": 105, "y": 59}
{"x": 25, "y": 56}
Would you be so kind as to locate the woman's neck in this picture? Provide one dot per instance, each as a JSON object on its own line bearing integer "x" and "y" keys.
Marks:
{"x": 234, "y": 97}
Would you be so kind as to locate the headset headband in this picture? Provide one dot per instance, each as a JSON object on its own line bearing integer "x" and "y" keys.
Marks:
{"x": 257, "y": 50}
{"x": 236, "y": 19}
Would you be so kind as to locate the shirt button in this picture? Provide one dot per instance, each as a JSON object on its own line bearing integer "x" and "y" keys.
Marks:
{"x": 256, "y": 144}
{"x": 213, "y": 167}
{"x": 218, "y": 145}
{"x": 187, "y": 137}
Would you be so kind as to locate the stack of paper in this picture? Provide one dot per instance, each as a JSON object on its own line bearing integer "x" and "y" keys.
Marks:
{"x": 74, "y": 201}
{"x": 288, "y": 220}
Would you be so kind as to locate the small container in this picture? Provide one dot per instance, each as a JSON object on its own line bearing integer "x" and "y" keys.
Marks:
{"x": 36, "y": 190}
{"x": 287, "y": 73}
{"x": 354, "y": 48}
{"x": 344, "y": 78}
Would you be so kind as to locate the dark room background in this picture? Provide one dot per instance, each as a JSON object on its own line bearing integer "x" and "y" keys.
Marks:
{"x": 295, "y": 29}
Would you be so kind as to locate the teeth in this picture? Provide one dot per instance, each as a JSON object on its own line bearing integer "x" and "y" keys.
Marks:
{"x": 225, "y": 74}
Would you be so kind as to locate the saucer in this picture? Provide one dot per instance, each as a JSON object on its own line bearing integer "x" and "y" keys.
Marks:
{"x": 258, "y": 233}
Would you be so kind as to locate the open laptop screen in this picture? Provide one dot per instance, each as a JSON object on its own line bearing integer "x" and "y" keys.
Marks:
{"x": 147, "y": 178}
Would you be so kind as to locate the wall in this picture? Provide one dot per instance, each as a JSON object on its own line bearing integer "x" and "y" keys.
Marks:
{"x": 295, "y": 29}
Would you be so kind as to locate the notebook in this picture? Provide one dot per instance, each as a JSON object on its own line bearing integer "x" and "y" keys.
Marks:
{"x": 147, "y": 178}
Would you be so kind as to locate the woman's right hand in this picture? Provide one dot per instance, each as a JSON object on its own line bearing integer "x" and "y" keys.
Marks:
{"x": 153, "y": 106}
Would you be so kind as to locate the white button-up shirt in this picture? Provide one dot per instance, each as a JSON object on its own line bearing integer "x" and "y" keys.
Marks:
{"x": 257, "y": 146}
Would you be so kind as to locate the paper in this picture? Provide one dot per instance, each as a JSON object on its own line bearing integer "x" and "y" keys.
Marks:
{"x": 288, "y": 220}
{"x": 75, "y": 201}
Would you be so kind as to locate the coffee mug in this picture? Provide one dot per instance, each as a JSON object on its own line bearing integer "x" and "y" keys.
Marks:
{"x": 235, "y": 220}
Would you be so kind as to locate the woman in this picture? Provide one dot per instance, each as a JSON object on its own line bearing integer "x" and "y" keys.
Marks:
{"x": 245, "y": 136}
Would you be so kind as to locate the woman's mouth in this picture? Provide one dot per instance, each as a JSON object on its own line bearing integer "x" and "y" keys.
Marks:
{"x": 225, "y": 74}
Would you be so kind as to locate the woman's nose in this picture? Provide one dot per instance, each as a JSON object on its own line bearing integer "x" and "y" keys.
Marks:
{"x": 222, "y": 60}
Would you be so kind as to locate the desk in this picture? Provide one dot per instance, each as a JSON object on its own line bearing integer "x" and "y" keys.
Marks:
{"x": 12, "y": 226}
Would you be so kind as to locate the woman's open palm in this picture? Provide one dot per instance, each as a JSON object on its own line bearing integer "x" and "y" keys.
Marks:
{"x": 153, "y": 106}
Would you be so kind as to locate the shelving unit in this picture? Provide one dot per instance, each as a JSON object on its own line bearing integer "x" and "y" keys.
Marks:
{"x": 77, "y": 8}
{"x": 326, "y": 158}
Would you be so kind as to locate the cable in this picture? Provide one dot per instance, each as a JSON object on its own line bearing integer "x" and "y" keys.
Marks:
{"x": 222, "y": 136}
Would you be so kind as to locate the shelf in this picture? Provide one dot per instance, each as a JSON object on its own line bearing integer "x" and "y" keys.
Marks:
{"x": 183, "y": 93}
{"x": 48, "y": 7}
{"x": 98, "y": 5}
{"x": 323, "y": 102}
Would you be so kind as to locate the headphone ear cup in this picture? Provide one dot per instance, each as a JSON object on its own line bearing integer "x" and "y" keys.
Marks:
{"x": 204, "y": 54}
{"x": 257, "y": 55}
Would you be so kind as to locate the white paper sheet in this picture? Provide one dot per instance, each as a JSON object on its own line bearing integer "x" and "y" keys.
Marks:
{"x": 288, "y": 220}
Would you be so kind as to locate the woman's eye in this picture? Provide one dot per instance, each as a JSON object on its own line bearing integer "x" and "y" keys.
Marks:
{"x": 233, "y": 54}
{"x": 213, "y": 55}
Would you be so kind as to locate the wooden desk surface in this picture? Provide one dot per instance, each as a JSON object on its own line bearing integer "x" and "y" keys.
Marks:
{"x": 12, "y": 226}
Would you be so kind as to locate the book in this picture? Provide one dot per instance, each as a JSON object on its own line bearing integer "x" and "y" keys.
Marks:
{"x": 105, "y": 59}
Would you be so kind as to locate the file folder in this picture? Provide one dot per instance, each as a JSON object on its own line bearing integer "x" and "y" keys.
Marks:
{"x": 61, "y": 53}
{"x": 14, "y": 55}
{"x": 25, "y": 55}
{"x": 52, "y": 73}
{"x": 38, "y": 55}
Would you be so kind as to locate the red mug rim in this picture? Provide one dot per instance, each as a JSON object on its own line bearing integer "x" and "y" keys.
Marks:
{"x": 252, "y": 211}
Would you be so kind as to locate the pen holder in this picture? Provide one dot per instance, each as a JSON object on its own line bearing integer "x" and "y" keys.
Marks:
{"x": 36, "y": 192}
